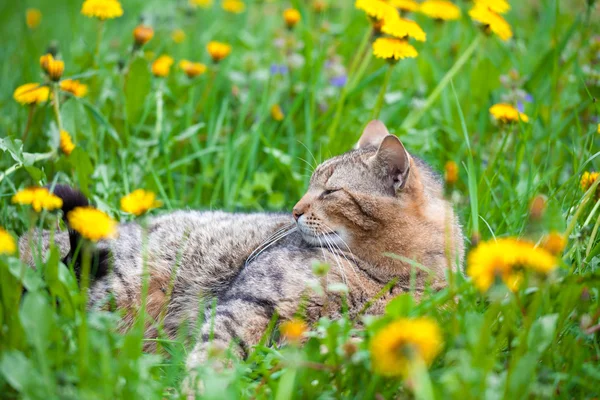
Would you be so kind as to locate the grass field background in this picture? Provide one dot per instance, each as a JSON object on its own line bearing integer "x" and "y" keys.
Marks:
{"x": 213, "y": 142}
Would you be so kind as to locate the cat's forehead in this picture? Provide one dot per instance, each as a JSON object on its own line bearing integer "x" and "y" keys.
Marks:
{"x": 344, "y": 166}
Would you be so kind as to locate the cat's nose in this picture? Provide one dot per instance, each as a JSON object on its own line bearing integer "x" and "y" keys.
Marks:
{"x": 297, "y": 213}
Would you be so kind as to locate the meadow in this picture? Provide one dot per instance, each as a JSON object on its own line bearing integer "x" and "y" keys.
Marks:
{"x": 240, "y": 125}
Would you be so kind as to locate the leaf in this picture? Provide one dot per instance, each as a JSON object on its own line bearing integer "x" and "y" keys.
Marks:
{"x": 137, "y": 87}
{"x": 83, "y": 168}
{"x": 36, "y": 318}
{"x": 189, "y": 132}
{"x": 541, "y": 334}
{"x": 400, "y": 305}
{"x": 20, "y": 373}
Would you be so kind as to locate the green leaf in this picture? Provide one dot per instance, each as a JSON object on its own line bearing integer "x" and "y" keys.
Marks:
{"x": 137, "y": 87}
{"x": 83, "y": 168}
{"x": 21, "y": 374}
{"x": 400, "y": 306}
{"x": 541, "y": 334}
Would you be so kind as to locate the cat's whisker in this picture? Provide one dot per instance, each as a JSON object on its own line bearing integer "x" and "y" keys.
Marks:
{"x": 274, "y": 238}
{"x": 329, "y": 245}
{"x": 269, "y": 239}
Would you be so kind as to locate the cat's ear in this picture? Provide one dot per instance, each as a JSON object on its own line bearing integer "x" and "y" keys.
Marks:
{"x": 373, "y": 135}
{"x": 392, "y": 161}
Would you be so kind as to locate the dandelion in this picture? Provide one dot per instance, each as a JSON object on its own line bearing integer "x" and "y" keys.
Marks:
{"x": 402, "y": 28}
{"x": 397, "y": 346}
{"x": 491, "y": 21}
{"x": 33, "y": 18}
{"x": 178, "y": 36}
{"x": 291, "y": 16}
{"x": 405, "y": 5}
{"x": 506, "y": 259}
{"x": 218, "y": 50}
{"x": 506, "y": 113}
{"x": 161, "y": 66}
{"x": 598, "y": 129}
{"x": 293, "y": 330}
{"x": 66, "y": 143}
{"x": 277, "y": 113}
{"x": 102, "y": 9}
{"x": 497, "y": 6}
{"x": 451, "y": 172}
{"x": 233, "y": 6}
{"x": 142, "y": 34}
{"x": 377, "y": 9}
{"x": 554, "y": 243}
{"x": 37, "y": 197}
{"x": 7, "y": 243}
{"x": 537, "y": 208}
{"x": 92, "y": 223}
{"x": 54, "y": 68}
{"x": 440, "y": 10}
{"x": 139, "y": 202}
{"x": 74, "y": 87}
{"x": 31, "y": 93}
{"x": 393, "y": 49}
{"x": 45, "y": 61}
{"x": 588, "y": 179}
{"x": 201, "y": 3}
{"x": 192, "y": 69}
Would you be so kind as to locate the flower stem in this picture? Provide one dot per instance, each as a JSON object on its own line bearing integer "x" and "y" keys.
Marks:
{"x": 83, "y": 328}
{"x": 159, "y": 110}
{"x": 56, "y": 103}
{"x": 29, "y": 119}
{"x": 381, "y": 97}
{"x": 99, "y": 35}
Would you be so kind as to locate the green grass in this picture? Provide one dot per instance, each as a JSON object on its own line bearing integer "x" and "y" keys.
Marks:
{"x": 212, "y": 143}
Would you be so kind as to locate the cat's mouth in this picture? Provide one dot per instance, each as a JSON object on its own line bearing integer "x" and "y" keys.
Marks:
{"x": 320, "y": 239}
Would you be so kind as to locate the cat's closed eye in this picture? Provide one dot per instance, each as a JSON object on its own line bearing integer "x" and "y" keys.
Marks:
{"x": 327, "y": 192}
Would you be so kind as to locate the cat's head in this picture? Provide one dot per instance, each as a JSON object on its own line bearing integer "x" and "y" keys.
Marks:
{"x": 351, "y": 195}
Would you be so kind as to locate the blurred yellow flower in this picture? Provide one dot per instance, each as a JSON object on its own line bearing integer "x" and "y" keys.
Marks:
{"x": 161, "y": 66}
{"x": 31, "y": 93}
{"x": 218, "y": 50}
{"x": 398, "y": 345}
{"x": 277, "y": 113}
{"x": 393, "y": 49}
{"x": 319, "y": 6}
{"x": 92, "y": 223}
{"x": 201, "y": 3}
{"x": 588, "y": 179}
{"x": 54, "y": 68}
{"x": 440, "y": 9}
{"x": 45, "y": 60}
{"x": 506, "y": 259}
{"x": 497, "y": 6}
{"x": 142, "y": 34}
{"x": 139, "y": 202}
{"x": 293, "y": 330}
{"x": 405, "y": 5}
{"x": 74, "y": 87}
{"x": 66, "y": 143}
{"x": 192, "y": 69}
{"x": 451, "y": 172}
{"x": 491, "y": 21}
{"x": 33, "y": 18}
{"x": 506, "y": 113}
{"x": 598, "y": 129}
{"x": 233, "y": 6}
{"x": 102, "y": 9}
{"x": 403, "y": 28}
{"x": 291, "y": 16}
{"x": 7, "y": 243}
{"x": 376, "y": 9}
{"x": 37, "y": 197}
{"x": 178, "y": 36}
{"x": 554, "y": 243}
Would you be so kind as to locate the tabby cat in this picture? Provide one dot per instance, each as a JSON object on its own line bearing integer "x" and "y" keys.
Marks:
{"x": 360, "y": 207}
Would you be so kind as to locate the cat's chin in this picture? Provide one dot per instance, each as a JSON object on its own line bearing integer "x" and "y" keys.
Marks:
{"x": 328, "y": 239}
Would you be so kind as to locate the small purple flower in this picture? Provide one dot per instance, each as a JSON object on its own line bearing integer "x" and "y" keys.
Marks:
{"x": 520, "y": 106}
{"x": 280, "y": 69}
{"x": 528, "y": 98}
{"x": 338, "y": 81}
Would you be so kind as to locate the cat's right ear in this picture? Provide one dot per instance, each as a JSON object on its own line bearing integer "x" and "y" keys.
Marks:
{"x": 373, "y": 135}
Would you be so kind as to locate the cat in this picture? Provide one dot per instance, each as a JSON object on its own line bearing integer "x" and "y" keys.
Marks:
{"x": 361, "y": 208}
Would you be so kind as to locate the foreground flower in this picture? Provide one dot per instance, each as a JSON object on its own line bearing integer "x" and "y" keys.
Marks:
{"x": 405, "y": 5}
{"x": 33, "y": 17}
{"x": 506, "y": 259}
{"x": 92, "y": 223}
{"x": 403, "y": 28}
{"x": 491, "y": 21}
{"x": 7, "y": 243}
{"x": 440, "y": 9}
{"x": 192, "y": 69}
{"x": 233, "y": 6}
{"x": 218, "y": 50}
{"x": 161, "y": 66}
{"x": 293, "y": 330}
{"x": 451, "y": 172}
{"x": 139, "y": 202}
{"x": 54, "y": 68}
{"x": 102, "y": 9}
{"x": 506, "y": 113}
{"x": 178, "y": 36}
{"x": 291, "y": 16}
{"x": 39, "y": 198}
{"x": 66, "y": 143}
{"x": 74, "y": 87}
{"x": 376, "y": 9}
{"x": 554, "y": 243}
{"x": 31, "y": 93}
{"x": 142, "y": 34}
{"x": 392, "y": 49}
{"x": 397, "y": 346}
{"x": 277, "y": 112}
{"x": 497, "y": 6}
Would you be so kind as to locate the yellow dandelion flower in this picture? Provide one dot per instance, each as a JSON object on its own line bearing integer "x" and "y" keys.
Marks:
{"x": 178, "y": 36}
{"x": 8, "y": 245}
{"x": 45, "y": 61}
{"x": 55, "y": 69}
{"x": 403, "y": 28}
{"x": 291, "y": 16}
{"x": 588, "y": 179}
{"x": 218, "y": 50}
{"x": 102, "y": 9}
{"x": 233, "y": 6}
{"x": 405, "y": 5}
{"x": 139, "y": 202}
{"x": 161, "y": 66}
{"x": 74, "y": 87}
{"x": 491, "y": 21}
{"x": 277, "y": 112}
{"x": 451, "y": 172}
{"x": 293, "y": 330}
{"x": 201, "y": 3}
{"x": 31, "y": 93}
{"x": 393, "y": 49}
{"x": 440, "y": 9}
{"x": 33, "y": 18}
{"x": 92, "y": 223}
{"x": 554, "y": 243}
{"x": 376, "y": 9}
{"x": 598, "y": 129}
{"x": 66, "y": 143}
{"x": 142, "y": 34}
{"x": 398, "y": 345}
{"x": 497, "y": 6}
{"x": 39, "y": 198}
{"x": 192, "y": 69}
{"x": 506, "y": 113}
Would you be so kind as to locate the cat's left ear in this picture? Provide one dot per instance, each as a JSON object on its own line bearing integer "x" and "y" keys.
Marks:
{"x": 392, "y": 161}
